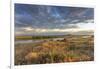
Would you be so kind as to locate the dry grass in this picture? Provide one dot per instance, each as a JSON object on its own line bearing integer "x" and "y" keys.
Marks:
{"x": 67, "y": 50}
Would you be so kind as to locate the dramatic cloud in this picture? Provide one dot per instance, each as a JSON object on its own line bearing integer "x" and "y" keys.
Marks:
{"x": 52, "y": 19}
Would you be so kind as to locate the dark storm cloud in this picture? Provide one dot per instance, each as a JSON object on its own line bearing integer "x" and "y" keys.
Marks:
{"x": 43, "y": 16}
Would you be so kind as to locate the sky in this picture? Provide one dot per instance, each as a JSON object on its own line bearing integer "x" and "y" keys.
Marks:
{"x": 52, "y": 20}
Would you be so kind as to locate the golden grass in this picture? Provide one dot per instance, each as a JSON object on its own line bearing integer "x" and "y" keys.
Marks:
{"x": 67, "y": 50}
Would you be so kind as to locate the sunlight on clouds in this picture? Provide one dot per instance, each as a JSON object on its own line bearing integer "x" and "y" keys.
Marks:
{"x": 56, "y": 30}
{"x": 28, "y": 29}
{"x": 69, "y": 28}
{"x": 86, "y": 26}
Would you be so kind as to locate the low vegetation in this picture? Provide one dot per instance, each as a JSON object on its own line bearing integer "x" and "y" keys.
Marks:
{"x": 69, "y": 49}
{"x": 36, "y": 37}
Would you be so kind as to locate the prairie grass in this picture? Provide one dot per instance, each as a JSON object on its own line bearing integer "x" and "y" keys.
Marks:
{"x": 70, "y": 49}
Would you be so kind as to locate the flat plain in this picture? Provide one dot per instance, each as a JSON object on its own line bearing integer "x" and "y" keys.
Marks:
{"x": 53, "y": 49}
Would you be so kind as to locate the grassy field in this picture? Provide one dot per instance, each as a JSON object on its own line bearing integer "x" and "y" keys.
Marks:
{"x": 36, "y": 37}
{"x": 74, "y": 48}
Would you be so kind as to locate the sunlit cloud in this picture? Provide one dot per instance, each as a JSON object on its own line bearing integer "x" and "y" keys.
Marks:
{"x": 28, "y": 29}
{"x": 55, "y": 30}
{"x": 33, "y": 19}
